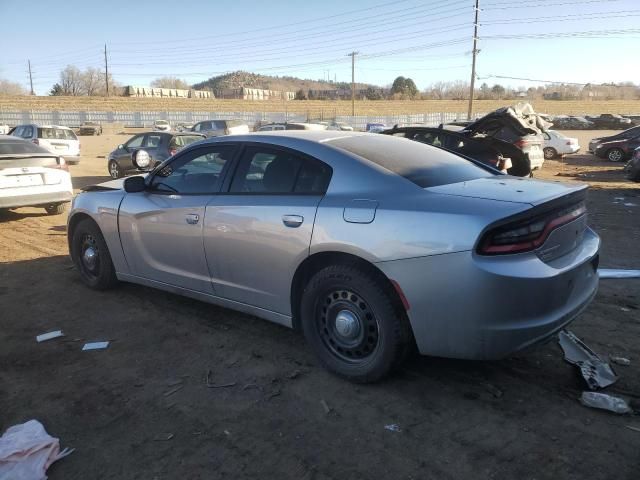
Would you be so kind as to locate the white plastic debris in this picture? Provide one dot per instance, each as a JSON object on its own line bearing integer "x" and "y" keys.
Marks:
{"x": 605, "y": 401}
{"x": 48, "y": 336}
{"x": 393, "y": 427}
{"x": 95, "y": 346}
{"x": 620, "y": 360}
{"x": 27, "y": 451}
{"x": 618, "y": 273}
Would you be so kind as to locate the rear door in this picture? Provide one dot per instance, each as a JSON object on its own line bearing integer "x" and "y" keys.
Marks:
{"x": 161, "y": 228}
{"x": 258, "y": 232}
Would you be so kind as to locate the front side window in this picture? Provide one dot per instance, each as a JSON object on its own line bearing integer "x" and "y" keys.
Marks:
{"x": 273, "y": 171}
{"x": 197, "y": 172}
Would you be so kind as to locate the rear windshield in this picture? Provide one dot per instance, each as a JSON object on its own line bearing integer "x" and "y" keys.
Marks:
{"x": 234, "y": 123}
{"x": 13, "y": 147}
{"x": 421, "y": 164}
{"x": 49, "y": 133}
{"x": 184, "y": 140}
{"x": 219, "y": 124}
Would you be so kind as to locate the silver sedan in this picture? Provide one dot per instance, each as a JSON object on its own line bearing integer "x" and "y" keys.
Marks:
{"x": 371, "y": 245}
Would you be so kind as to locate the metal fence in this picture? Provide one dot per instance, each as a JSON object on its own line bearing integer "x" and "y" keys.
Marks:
{"x": 146, "y": 118}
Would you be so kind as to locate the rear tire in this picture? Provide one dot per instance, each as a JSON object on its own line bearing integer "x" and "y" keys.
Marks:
{"x": 114, "y": 170}
{"x": 353, "y": 325}
{"x": 549, "y": 153}
{"x": 56, "y": 209}
{"x": 91, "y": 256}
{"x": 615, "y": 155}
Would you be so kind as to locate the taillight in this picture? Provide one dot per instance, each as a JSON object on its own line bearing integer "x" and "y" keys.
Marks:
{"x": 172, "y": 151}
{"x": 62, "y": 164}
{"x": 36, "y": 141}
{"x": 527, "y": 235}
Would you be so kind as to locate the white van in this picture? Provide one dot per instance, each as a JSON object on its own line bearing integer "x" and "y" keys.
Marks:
{"x": 56, "y": 139}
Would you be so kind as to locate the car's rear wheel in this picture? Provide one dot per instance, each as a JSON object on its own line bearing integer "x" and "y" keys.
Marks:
{"x": 353, "y": 325}
{"x": 550, "y": 152}
{"x": 615, "y": 155}
{"x": 91, "y": 256}
{"x": 114, "y": 170}
{"x": 56, "y": 208}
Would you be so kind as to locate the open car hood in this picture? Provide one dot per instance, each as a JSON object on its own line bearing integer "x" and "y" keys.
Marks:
{"x": 521, "y": 118}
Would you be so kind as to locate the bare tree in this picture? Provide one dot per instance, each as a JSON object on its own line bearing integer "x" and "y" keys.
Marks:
{"x": 11, "y": 88}
{"x": 170, "y": 82}
{"x": 93, "y": 81}
{"x": 71, "y": 81}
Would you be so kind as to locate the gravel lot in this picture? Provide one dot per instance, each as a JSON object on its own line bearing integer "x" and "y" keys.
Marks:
{"x": 141, "y": 408}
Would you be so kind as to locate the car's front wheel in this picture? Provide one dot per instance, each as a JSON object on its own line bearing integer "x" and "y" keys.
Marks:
{"x": 91, "y": 256}
{"x": 549, "y": 153}
{"x": 615, "y": 155}
{"x": 114, "y": 170}
{"x": 56, "y": 208}
{"x": 353, "y": 325}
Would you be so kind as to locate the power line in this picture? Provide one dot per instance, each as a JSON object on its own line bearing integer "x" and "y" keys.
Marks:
{"x": 538, "y": 3}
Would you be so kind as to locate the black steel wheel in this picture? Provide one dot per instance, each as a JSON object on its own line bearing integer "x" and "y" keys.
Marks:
{"x": 114, "y": 170}
{"x": 90, "y": 254}
{"x": 615, "y": 155}
{"x": 354, "y": 324}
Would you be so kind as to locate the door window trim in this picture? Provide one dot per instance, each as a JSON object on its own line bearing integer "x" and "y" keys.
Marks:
{"x": 200, "y": 150}
{"x": 240, "y": 156}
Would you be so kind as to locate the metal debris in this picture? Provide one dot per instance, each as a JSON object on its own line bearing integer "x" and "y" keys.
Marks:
{"x": 327, "y": 410}
{"x": 173, "y": 390}
{"x": 95, "y": 346}
{"x": 213, "y": 385}
{"x": 605, "y": 401}
{"x": 618, "y": 273}
{"x": 163, "y": 437}
{"x": 48, "y": 336}
{"x": 393, "y": 427}
{"x": 635, "y": 429}
{"x": 597, "y": 374}
{"x": 620, "y": 360}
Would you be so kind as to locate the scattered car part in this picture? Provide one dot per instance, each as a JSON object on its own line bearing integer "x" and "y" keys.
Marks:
{"x": 95, "y": 346}
{"x": 48, "y": 336}
{"x": 604, "y": 401}
{"x": 597, "y": 374}
{"x": 618, "y": 273}
{"x": 620, "y": 360}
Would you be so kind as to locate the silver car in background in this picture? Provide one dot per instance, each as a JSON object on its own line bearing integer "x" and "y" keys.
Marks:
{"x": 371, "y": 245}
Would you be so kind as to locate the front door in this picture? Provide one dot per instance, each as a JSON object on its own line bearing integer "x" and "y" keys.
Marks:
{"x": 257, "y": 233}
{"x": 161, "y": 228}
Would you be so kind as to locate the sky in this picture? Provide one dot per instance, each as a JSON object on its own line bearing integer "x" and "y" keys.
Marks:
{"x": 582, "y": 41}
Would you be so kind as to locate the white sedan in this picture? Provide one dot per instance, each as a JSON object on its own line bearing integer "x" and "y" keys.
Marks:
{"x": 31, "y": 176}
{"x": 556, "y": 144}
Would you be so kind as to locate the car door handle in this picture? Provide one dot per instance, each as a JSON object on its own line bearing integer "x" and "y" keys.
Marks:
{"x": 192, "y": 219}
{"x": 292, "y": 221}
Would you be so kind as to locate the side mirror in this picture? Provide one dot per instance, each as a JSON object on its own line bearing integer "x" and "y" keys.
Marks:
{"x": 134, "y": 184}
{"x": 141, "y": 159}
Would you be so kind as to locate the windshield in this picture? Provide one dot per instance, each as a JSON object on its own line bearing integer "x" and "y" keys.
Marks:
{"x": 184, "y": 140}
{"x": 421, "y": 164}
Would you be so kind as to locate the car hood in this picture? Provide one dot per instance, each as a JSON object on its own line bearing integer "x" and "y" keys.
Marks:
{"x": 509, "y": 189}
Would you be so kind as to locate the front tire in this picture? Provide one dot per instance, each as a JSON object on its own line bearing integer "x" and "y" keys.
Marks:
{"x": 91, "y": 256}
{"x": 56, "y": 208}
{"x": 352, "y": 324}
{"x": 114, "y": 170}
{"x": 615, "y": 155}
{"x": 549, "y": 153}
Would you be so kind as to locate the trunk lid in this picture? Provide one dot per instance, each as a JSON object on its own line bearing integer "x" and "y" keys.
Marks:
{"x": 510, "y": 189}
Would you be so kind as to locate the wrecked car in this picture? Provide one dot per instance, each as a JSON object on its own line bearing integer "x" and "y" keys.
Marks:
{"x": 370, "y": 245}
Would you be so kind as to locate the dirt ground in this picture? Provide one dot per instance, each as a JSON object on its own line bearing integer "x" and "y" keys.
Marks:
{"x": 141, "y": 408}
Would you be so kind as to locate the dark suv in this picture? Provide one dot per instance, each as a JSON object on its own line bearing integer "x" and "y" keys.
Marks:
{"x": 490, "y": 151}
{"x": 615, "y": 148}
{"x": 159, "y": 146}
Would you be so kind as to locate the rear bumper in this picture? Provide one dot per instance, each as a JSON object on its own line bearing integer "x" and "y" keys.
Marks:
{"x": 467, "y": 306}
{"x": 72, "y": 159}
{"x": 35, "y": 200}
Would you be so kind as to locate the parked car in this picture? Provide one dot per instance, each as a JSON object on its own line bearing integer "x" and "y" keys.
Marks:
{"x": 158, "y": 146}
{"x": 609, "y": 121}
{"x": 563, "y": 122}
{"x": 292, "y": 126}
{"x": 56, "y": 139}
{"x": 368, "y": 244}
{"x": 556, "y": 144}
{"x": 32, "y": 176}
{"x": 518, "y": 125}
{"x": 272, "y": 127}
{"x": 184, "y": 126}
{"x": 617, "y": 150}
{"x": 4, "y": 129}
{"x": 629, "y": 133}
{"x": 633, "y": 167}
{"x": 635, "y": 119}
{"x": 161, "y": 126}
{"x": 90, "y": 128}
{"x": 490, "y": 151}
{"x": 342, "y": 126}
{"x": 216, "y": 128}
{"x": 375, "y": 127}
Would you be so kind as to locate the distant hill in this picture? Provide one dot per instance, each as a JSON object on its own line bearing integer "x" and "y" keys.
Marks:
{"x": 255, "y": 80}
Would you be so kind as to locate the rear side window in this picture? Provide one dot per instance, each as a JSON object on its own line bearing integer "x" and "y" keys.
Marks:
{"x": 419, "y": 163}
{"x": 219, "y": 124}
{"x": 152, "y": 141}
{"x": 69, "y": 135}
{"x": 274, "y": 171}
{"x": 27, "y": 132}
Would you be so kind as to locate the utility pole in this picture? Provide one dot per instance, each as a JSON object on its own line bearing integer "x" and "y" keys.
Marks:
{"x": 30, "y": 77}
{"x": 353, "y": 82}
{"x": 106, "y": 69}
{"x": 473, "y": 63}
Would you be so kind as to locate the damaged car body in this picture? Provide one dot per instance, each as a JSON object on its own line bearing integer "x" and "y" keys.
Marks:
{"x": 370, "y": 245}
